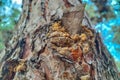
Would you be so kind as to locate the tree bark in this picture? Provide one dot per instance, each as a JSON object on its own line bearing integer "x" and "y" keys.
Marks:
{"x": 55, "y": 41}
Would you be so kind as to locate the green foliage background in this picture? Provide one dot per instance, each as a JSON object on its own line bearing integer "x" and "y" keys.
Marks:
{"x": 9, "y": 14}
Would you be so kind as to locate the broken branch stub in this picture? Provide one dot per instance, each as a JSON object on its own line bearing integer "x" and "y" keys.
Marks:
{"x": 72, "y": 19}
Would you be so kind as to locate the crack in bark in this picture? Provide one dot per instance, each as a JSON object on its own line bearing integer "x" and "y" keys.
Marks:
{"x": 8, "y": 55}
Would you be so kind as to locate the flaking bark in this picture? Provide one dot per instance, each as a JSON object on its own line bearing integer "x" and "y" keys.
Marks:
{"x": 55, "y": 41}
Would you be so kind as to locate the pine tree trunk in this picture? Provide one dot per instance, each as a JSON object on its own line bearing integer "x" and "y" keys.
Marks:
{"x": 55, "y": 41}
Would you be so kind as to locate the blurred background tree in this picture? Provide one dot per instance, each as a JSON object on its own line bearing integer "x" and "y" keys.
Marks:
{"x": 104, "y": 15}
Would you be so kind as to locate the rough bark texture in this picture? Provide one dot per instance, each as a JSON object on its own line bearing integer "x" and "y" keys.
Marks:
{"x": 55, "y": 41}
